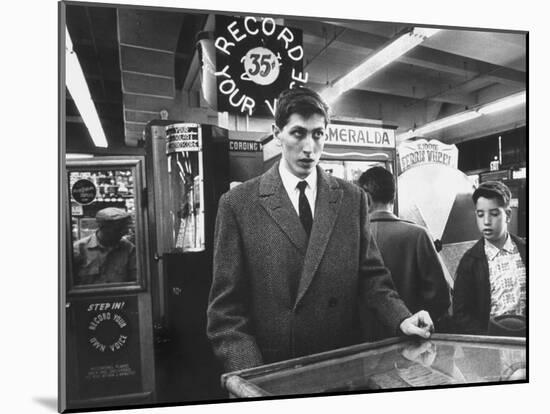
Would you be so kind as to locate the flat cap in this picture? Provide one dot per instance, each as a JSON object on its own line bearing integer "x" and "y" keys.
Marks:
{"x": 493, "y": 188}
{"x": 111, "y": 214}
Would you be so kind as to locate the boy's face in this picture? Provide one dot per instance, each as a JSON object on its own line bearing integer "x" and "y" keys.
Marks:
{"x": 492, "y": 220}
{"x": 302, "y": 141}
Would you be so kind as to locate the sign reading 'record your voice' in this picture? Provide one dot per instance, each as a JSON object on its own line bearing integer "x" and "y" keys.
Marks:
{"x": 108, "y": 346}
{"x": 256, "y": 59}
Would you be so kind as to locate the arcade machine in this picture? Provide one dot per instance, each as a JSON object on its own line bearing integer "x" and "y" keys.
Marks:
{"x": 437, "y": 195}
{"x": 245, "y": 155}
{"x": 187, "y": 168}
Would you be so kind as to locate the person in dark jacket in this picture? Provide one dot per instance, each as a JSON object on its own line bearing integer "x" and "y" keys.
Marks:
{"x": 491, "y": 277}
{"x": 407, "y": 250}
{"x": 294, "y": 256}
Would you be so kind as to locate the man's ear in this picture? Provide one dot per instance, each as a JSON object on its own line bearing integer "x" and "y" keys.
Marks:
{"x": 276, "y": 131}
{"x": 369, "y": 198}
{"x": 508, "y": 212}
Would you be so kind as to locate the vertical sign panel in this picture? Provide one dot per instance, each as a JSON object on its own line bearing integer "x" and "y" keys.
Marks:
{"x": 107, "y": 342}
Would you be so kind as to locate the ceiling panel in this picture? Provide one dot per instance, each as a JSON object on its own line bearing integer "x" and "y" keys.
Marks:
{"x": 502, "y": 49}
{"x": 450, "y": 71}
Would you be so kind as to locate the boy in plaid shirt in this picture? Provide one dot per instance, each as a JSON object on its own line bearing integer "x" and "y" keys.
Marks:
{"x": 491, "y": 277}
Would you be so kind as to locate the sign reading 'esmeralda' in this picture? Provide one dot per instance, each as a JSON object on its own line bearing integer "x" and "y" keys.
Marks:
{"x": 256, "y": 59}
{"x": 360, "y": 136}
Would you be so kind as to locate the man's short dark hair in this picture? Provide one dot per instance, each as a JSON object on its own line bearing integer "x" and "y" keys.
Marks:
{"x": 493, "y": 190}
{"x": 302, "y": 101}
{"x": 379, "y": 183}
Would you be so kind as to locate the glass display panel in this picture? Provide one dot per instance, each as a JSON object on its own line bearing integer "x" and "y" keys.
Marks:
{"x": 354, "y": 169}
{"x": 351, "y": 170}
{"x": 334, "y": 168}
{"x": 185, "y": 187}
{"x": 407, "y": 363}
{"x": 104, "y": 217}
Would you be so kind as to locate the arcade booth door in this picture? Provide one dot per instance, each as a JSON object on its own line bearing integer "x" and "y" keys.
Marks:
{"x": 187, "y": 166}
{"x": 108, "y": 358}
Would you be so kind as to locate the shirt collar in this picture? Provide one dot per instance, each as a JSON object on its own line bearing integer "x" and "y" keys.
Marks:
{"x": 491, "y": 251}
{"x": 290, "y": 181}
{"x": 383, "y": 215}
{"x": 509, "y": 245}
{"x": 93, "y": 242}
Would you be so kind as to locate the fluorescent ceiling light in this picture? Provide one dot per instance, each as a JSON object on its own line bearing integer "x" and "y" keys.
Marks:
{"x": 73, "y": 156}
{"x": 504, "y": 103}
{"x": 377, "y": 61}
{"x": 81, "y": 95}
{"x": 447, "y": 122}
{"x": 439, "y": 124}
{"x": 490, "y": 108}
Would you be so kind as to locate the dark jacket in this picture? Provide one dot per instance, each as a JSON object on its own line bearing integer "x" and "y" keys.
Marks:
{"x": 472, "y": 290}
{"x": 409, "y": 253}
{"x": 261, "y": 249}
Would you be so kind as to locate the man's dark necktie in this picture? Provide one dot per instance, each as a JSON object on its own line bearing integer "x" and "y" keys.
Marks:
{"x": 303, "y": 207}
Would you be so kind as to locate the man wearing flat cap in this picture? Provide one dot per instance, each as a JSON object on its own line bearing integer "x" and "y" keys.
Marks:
{"x": 105, "y": 256}
{"x": 491, "y": 278}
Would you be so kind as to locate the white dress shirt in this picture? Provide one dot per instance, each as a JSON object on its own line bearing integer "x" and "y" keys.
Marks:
{"x": 290, "y": 181}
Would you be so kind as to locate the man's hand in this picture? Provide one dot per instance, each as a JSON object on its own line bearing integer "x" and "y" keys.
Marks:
{"x": 418, "y": 324}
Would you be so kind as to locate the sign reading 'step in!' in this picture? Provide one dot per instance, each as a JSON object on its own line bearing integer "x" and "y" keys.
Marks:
{"x": 248, "y": 62}
{"x": 421, "y": 152}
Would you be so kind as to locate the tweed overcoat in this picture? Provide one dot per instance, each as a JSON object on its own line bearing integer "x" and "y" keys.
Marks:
{"x": 472, "y": 289}
{"x": 261, "y": 250}
{"x": 409, "y": 253}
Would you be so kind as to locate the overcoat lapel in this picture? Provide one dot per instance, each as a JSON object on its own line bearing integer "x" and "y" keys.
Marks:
{"x": 274, "y": 199}
{"x": 327, "y": 206}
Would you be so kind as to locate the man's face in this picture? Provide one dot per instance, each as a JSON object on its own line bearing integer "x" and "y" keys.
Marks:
{"x": 111, "y": 233}
{"x": 492, "y": 219}
{"x": 302, "y": 140}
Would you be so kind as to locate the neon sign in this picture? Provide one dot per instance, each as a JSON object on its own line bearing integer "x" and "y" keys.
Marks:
{"x": 255, "y": 59}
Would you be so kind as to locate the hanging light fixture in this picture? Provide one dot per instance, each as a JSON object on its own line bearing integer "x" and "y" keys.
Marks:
{"x": 397, "y": 48}
{"x": 486, "y": 109}
{"x": 504, "y": 103}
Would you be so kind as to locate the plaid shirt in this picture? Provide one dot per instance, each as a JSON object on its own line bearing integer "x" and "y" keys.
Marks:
{"x": 507, "y": 276}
